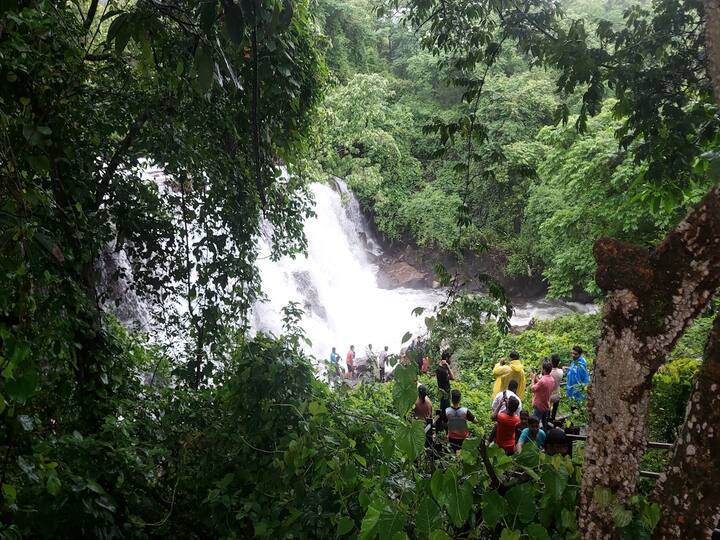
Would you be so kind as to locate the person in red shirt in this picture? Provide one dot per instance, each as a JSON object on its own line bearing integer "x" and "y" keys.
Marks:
{"x": 542, "y": 388}
{"x": 506, "y": 423}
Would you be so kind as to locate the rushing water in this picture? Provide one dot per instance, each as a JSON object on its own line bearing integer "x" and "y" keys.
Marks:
{"x": 337, "y": 288}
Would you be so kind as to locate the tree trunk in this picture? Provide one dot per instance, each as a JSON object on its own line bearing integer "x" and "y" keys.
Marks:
{"x": 688, "y": 491}
{"x": 652, "y": 299}
{"x": 712, "y": 43}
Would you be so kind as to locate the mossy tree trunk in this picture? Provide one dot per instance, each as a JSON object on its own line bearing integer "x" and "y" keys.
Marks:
{"x": 652, "y": 298}
{"x": 688, "y": 491}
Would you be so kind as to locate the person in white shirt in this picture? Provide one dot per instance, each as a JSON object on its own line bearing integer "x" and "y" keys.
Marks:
{"x": 557, "y": 374}
{"x": 382, "y": 361}
{"x": 510, "y": 392}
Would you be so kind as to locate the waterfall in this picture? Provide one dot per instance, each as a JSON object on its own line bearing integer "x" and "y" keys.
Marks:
{"x": 335, "y": 284}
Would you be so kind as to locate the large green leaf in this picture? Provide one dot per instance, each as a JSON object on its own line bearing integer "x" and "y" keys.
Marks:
{"x": 344, "y": 526}
{"x": 427, "y": 516}
{"x": 437, "y": 485}
{"x": 494, "y": 508}
{"x": 234, "y": 23}
{"x": 368, "y": 528}
{"x": 405, "y": 388}
{"x": 411, "y": 439}
{"x": 458, "y": 498}
{"x": 204, "y": 67}
{"x": 521, "y": 504}
{"x": 555, "y": 481}
{"x": 439, "y": 535}
{"x": 535, "y": 531}
{"x": 391, "y": 522}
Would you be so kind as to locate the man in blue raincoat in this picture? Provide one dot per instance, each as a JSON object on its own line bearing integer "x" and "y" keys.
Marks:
{"x": 577, "y": 375}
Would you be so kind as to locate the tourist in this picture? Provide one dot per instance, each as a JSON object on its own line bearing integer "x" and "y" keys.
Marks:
{"x": 577, "y": 376}
{"x": 334, "y": 356}
{"x": 556, "y": 442}
{"x": 350, "y": 361}
{"x": 371, "y": 360}
{"x": 423, "y": 406}
{"x": 425, "y": 365}
{"x": 382, "y": 361}
{"x": 444, "y": 375}
{"x": 501, "y": 401}
{"x": 532, "y": 434}
{"x": 524, "y": 422}
{"x": 505, "y": 372}
{"x": 506, "y": 422}
{"x": 542, "y": 388}
{"x": 557, "y": 374}
{"x": 510, "y": 392}
{"x": 457, "y": 422}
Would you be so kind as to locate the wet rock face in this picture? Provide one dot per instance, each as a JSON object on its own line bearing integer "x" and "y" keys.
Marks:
{"x": 401, "y": 274}
{"x": 311, "y": 297}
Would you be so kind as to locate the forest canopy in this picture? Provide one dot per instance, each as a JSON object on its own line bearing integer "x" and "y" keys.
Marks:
{"x": 148, "y": 146}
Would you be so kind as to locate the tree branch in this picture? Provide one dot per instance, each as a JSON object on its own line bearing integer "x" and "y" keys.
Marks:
{"x": 92, "y": 10}
{"x": 115, "y": 161}
{"x": 255, "y": 121}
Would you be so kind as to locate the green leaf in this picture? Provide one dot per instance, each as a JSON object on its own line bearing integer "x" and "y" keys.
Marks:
{"x": 234, "y": 23}
{"x": 494, "y": 508}
{"x": 344, "y": 526}
{"x": 92, "y": 485}
{"x": 406, "y": 337}
{"x": 521, "y": 504}
{"x": 360, "y": 460}
{"x": 458, "y": 498}
{"x": 53, "y": 484}
{"x": 207, "y": 11}
{"x": 388, "y": 446}
{"x": 368, "y": 528}
{"x": 602, "y": 496}
{"x": 411, "y": 439}
{"x": 650, "y": 515}
{"x": 204, "y": 67}
{"x": 439, "y": 535}
{"x": 470, "y": 451}
{"x": 390, "y": 522}
{"x": 555, "y": 481}
{"x": 405, "y": 389}
{"x": 23, "y": 386}
{"x": 437, "y": 483}
{"x": 529, "y": 457}
{"x": 509, "y": 534}
{"x": 535, "y": 531}
{"x": 9, "y": 493}
{"x": 427, "y": 516}
{"x": 621, "y": 516}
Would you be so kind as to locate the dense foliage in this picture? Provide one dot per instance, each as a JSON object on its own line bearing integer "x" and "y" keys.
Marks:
{"x": 152, "y": 132}
{"x": 432, "y": 134}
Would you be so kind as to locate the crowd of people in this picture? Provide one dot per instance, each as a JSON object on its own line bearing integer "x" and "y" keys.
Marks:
{"x": 513, "y": 425}
{"x": 355, "y": 365}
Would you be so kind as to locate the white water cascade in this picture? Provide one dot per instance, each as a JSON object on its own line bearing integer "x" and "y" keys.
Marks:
{"x": 336, "y": 285}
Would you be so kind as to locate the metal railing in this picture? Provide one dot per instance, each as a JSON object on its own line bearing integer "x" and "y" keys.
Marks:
{"x": 656, "y": 445}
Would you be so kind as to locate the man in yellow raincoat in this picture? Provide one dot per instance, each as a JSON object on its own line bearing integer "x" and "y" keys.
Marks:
{"x": 505, "y": 372}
